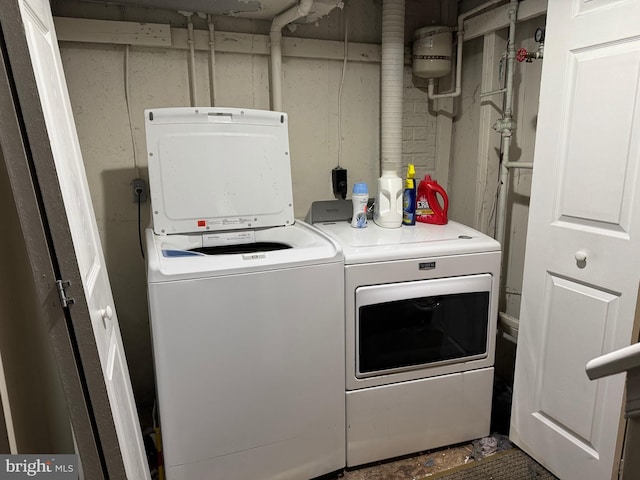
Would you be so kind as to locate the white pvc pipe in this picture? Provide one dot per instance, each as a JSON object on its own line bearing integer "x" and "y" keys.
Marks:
{"x": 391, "y": 83}
{"x": 192, "y": 60}
{"x": 276, "y": 72}
{"x": 458, "y": 68}
{"x": 509, "y": 325}
{"x": 212, "y": 60}
{"x": 506, "y": 127}
{"x": 458, "y": 89}
{"x": 528, "y": 165}
{"x": 506, "y": 130}
{"x": 279, "y": 21}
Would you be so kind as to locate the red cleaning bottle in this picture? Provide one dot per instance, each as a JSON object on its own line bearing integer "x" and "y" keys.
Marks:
{"x": 428, "y": 206}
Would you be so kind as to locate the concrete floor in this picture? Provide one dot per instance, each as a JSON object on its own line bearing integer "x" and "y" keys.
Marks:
{"x": 416, "y": 467}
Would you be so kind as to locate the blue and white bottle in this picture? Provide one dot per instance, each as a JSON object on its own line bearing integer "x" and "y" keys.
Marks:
{"x": 360, "y": 198}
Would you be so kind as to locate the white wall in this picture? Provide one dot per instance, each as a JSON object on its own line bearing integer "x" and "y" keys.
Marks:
{"x": 464, "y": 139}
{"x": 158, "y": 77}
{"x": 464, "y": 181}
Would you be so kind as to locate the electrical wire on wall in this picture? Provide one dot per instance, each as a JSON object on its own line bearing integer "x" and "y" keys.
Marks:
{"x": 344, "y": 68}
{"x": 127, "y": 97}
{"x": 139, "y": 202}
{"x": 139, "y": 191}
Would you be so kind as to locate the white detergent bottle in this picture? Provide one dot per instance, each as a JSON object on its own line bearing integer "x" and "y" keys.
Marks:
{"x": 388, "y": 208}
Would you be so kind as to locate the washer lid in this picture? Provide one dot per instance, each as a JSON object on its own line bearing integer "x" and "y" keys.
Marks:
{"x": 376, "y": 244}
{"x": 213, "y": 169}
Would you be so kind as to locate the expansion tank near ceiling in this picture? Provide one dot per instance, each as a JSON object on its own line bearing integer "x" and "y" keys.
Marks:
{"x": 458, "y": 65}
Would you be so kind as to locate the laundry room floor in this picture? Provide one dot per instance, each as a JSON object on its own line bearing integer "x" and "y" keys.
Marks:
{"x": 484, "y": 458}
{"x": 415, "y": 467}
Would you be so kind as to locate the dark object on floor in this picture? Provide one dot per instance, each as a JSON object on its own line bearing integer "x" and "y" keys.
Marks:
{"x": 483, "y": 447}
{"x": 501, "y": 407}
{"x": 511, "y": 464}
{"x": 152, "y": 455}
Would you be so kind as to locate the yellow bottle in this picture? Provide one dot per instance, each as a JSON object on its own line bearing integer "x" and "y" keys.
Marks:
{"x": 409, "y": 197}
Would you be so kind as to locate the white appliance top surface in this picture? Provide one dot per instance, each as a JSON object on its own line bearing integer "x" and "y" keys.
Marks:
{"x": 376, "y": 244}
{"x": 213, "y": 169}
{"x": 170, "y": 257}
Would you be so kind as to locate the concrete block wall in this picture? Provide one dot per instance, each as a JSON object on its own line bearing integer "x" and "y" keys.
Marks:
{"x": 158, "y": 77}
{"x": 418, "y": 128}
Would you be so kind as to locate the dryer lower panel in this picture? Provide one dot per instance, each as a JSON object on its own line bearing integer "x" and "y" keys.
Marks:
{"x": 250, "y": 373}
{"x": 392, "y": 420}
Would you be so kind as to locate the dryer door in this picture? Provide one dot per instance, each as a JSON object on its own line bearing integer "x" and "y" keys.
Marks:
{"x": 409, "y": 325}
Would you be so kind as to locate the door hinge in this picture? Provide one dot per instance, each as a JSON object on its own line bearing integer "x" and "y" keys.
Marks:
{"x": 621, "y": 468}
{"x": 64, "y": 300}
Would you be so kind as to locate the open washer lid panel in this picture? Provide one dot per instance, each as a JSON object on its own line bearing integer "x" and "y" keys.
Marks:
{"x": 213, "y": 169}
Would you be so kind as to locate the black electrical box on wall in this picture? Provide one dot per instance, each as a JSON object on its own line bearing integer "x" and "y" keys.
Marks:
{"x": 339, "y": 181}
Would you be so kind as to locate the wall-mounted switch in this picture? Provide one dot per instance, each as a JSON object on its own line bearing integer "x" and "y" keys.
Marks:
{"x": 139, "y": 190}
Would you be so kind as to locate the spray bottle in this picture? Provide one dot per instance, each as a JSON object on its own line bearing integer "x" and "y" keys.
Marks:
{"x": 409, "y": 197}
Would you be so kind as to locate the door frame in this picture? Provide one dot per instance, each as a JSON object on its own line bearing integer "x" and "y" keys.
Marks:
{"x": 31, "y": 169}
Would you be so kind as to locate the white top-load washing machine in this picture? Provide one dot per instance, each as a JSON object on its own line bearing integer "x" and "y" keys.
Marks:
{"x": 246, "y": 304}
{"x": 421, "y": 306}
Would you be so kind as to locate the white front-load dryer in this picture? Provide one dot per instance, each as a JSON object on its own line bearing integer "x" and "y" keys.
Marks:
{"x": 421, "y": 305}
{"x": 249, "y": 355}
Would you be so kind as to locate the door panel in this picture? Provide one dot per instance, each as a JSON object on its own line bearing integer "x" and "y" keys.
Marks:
{"x": 573, "y": 310}
{"x": 582, "y": 266}
{"x": 599, "y": 135}
{"x": 65, "y": 149}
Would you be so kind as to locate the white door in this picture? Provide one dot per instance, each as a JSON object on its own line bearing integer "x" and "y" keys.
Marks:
{"x": 582, "y": 265}
{"x": 52, "y": 89}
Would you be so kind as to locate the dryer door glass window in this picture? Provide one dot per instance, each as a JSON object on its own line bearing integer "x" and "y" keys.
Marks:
{"x": 421, "y": 331}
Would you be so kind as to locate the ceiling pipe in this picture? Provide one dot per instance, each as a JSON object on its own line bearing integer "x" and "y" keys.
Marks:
{"x": 302, "y": 9}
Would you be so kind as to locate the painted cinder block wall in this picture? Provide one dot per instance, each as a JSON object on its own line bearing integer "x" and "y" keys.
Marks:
{"x": 440, "y": 138}
{"x": 114, "y": 147}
